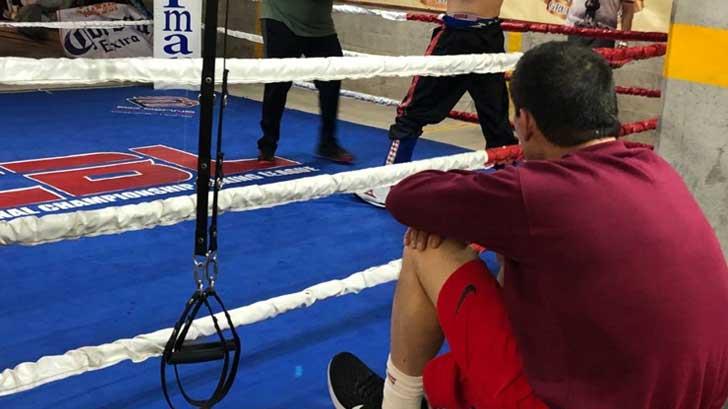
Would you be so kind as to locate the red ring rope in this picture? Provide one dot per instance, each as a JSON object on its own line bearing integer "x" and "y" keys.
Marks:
{"x": 639, "y": 126}
{"x": 642, "y": 92}
{"x": 627, "y": 129}
{"x": 632, "y": 53}
{"x": 509, "y": 154}
{"x": 504, "y": 154}
{"x": 424, "y": 17}
{"x": 527, "y": 26}
{"x": 617, "y": 57}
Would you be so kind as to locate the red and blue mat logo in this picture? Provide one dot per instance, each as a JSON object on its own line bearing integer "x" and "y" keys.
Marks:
{"x": 99, "y": 179}
{"x": 163, "y": 101}
{"x": 163, "y": 105}
{"x": 72, "y": 150}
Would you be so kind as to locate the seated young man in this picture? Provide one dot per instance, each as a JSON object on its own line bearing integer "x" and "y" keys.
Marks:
{"x": 615, "y": 287}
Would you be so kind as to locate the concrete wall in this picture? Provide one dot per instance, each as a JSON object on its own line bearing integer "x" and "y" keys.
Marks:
{"x": 243, "y": 17}
{"x": 694, "y": 129}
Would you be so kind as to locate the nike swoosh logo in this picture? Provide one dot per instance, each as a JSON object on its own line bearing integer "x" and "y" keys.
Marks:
{"x": 469, "y": 289}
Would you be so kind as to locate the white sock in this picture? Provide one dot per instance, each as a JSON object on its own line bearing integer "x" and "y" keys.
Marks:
{"x": 401, "y": 391}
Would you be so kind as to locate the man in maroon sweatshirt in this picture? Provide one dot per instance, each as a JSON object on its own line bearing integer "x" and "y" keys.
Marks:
{"x": 615, "y": 290}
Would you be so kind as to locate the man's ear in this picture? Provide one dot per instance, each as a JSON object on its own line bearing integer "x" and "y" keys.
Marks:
{"x": 528, "y": 123}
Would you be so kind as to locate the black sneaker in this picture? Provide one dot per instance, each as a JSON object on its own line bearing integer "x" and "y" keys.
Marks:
{"x": 352, "y": 385}
{"x": 335, "y": 153}
{"x": 264, "y": 156}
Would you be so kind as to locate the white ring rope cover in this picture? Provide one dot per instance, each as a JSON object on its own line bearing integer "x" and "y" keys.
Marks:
{"x": 63, "y": 71}
{"x": 76, "y": 24}
{"x": 48, "y": 369}
{"x": 338, "y": 8}
{"x": 353, "y": 94}
{"x": 385, "y": 14}
{"x": 258, "y": 39}
{"x": 33, "y": 230}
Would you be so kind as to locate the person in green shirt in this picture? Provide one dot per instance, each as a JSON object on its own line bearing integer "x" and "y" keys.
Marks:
{"x": 292, "y": 28}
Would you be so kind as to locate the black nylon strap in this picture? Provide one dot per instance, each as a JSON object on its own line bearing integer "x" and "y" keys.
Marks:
{"x": 207, "y": 100}
{"x": 176, "y": 351}
{"x": 220, "y": 155}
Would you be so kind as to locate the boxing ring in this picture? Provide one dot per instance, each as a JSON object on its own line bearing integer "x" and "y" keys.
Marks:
{"x": 95, "y": 277}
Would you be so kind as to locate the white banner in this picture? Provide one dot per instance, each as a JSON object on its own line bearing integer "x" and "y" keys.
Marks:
{"x": 119, "y": 42}
{"x": 177, "y": 28}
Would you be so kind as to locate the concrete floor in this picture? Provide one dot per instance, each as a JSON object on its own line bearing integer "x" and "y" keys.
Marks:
{"x": 464, "y": 134}
{"x": 459, "y": 133}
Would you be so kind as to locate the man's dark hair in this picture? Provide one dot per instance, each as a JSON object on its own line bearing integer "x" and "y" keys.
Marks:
{"x": 569, "y": 90}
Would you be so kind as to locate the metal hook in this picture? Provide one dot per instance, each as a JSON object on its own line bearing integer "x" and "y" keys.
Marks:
{"x": 211, "y": 261}
{"x": 198, "y": 271}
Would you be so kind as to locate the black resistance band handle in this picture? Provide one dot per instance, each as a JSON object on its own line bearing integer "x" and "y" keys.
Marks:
{"x": 199, "y": 353}
{"x": 176, "y": 352}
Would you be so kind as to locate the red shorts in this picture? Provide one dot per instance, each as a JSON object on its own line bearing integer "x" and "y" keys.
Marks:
{"x": 483, "y": 369}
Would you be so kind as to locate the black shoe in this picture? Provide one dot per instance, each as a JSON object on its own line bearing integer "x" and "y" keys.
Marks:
{"x": 264, "y": 156}
{"x": 335, "y": 153}
{"x": 353, "y": 385}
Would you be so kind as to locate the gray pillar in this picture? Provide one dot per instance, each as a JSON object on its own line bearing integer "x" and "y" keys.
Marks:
{"x": 694, "y": 125}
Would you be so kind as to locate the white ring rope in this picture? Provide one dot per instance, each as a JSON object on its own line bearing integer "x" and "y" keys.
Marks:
{"x": 187, "y": 72}
{"x": 343, "y": 9}
{"x": 48, "y": 369}
{"x": 385, "y": 14}
{"x": 33, "y": 230}
{"x": 242, "y": 35}
{"x": 353, "y": 94}
{"x": 77, "y": 24}
{"x": 258, "y": 39}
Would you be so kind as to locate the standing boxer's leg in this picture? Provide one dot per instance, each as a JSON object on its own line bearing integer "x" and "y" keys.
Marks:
{"x": 280, "y": 42}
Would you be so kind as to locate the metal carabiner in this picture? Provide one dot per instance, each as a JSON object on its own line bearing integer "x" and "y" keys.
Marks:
{"x": 219, "y": 182}
{"x": 199, "y": 271}
{"x": 211, "y": 261}
{"x": 212, "y": 277}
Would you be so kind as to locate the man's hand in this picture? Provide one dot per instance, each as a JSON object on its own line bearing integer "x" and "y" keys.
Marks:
{"x": 421, "y": 240}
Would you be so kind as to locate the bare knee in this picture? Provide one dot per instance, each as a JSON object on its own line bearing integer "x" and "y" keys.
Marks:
{"x": 449, "y": 253}
{"x": 433, "y": 266}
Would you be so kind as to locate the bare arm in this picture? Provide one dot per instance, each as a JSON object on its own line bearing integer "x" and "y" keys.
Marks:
{"x": 472, "y": 207}
{"x": 627, "y": 14}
